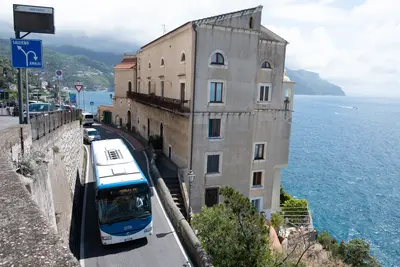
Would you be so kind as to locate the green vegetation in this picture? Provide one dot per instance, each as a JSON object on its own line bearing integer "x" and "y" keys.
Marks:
{"x": 232, "y": 232}
{"x": 277, "y": 221}
{"x": 295, "y": 210}
{"x": 75, "y": 67}
{"x": 155, "y": 141}
{"x": 355, "y": 252}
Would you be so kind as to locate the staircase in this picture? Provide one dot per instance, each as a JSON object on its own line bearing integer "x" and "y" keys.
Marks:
{"x": 169, "y": 173}
{"x": 174, "y": 188}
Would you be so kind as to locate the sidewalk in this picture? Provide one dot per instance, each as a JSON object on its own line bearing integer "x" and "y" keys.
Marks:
{"x": 138, "y": 145}
{"x": 166, "y": 167}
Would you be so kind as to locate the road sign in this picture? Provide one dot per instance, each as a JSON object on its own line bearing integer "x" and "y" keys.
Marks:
{"x": 91, "y": 103}
{"x": 78, "y": 86}
{"x": 37, "y": 19}
{"x": 72, "y": 98}
{"x": 59, "y": 74}
{"x": 26, "y": 53}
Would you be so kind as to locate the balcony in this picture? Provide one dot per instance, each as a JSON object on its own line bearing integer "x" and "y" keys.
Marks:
{"x": 171, "y": 104}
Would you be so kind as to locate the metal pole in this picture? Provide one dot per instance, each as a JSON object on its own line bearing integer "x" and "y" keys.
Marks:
{"x": 190, "y": 201}
{"x": 84, "y": 104}
{"x": 27, "y": 96}
{"x": 20, "y": 102}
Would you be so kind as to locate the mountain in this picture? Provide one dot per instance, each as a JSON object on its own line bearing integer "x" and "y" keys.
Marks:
{"x": 95, "y": 68}
{"x": 310, "y": 83}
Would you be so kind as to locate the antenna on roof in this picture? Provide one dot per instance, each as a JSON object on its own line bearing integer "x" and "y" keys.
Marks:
{"x": 164, "y": 30}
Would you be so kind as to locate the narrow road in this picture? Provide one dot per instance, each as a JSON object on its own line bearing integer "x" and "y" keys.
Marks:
{"x": 163, "y": 248}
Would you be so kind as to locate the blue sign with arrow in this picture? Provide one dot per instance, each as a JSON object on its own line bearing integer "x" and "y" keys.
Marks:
{"x": 26, "y": 54}
{"x": 91, "y": 103}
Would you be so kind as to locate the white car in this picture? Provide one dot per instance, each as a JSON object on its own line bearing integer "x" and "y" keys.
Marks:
{"x": 90, "y": 135}
{"x": 88, "y": 118}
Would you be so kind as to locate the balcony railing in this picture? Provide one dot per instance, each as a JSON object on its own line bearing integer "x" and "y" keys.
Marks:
{"x": 172, "y": 104}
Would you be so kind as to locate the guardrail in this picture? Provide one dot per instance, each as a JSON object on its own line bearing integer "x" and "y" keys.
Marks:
{"x": 48, "y": 122}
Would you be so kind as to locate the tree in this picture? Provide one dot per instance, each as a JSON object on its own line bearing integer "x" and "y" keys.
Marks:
{"x": 233, "y": 233}
{"x": 356, "y": 253}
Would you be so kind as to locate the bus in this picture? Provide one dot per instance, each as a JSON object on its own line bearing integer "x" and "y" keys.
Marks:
{"x": 123, "y": 194}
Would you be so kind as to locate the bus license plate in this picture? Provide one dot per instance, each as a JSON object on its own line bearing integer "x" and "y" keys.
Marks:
{"x": 128, "y": 239}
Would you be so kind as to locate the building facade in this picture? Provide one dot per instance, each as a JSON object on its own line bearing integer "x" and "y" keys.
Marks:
{"x": 214, "y": 90}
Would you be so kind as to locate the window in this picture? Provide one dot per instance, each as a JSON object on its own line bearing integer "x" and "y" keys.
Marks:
{"x": 149, "y": 87}
{"x": 257, "y": 179}
{"x": 213, "y": 163}
{"x": 214, "y": 128}
{"x": 259, "y": 151}
{"x": 264, "y": 93}
{"x": 162, "y": 62}
{"x": 257, "y": 203}
{"x": 217, "y": 59}
{"x": 216, "y": 90}
{"x": 149, "y": 65}
{"x": 211, "y": 196}
{"x": 265, "y": 65}
{"x": 138, "y": 87}
{"x": 162, "y": 88}
{"x": 183, "y": 57}
{"x": 130, "y": 86}
{"x": 251, "y": 23}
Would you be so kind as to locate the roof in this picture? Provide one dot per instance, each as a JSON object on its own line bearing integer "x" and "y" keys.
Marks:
{"x": 127, "y": 62}
{"x": 115, "y": 164}
{"x": 228, "y": 15}
{"x": 267, "y": 34}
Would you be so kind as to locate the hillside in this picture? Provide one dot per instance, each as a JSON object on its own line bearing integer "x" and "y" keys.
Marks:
{"x": 94, "y": 69}
{"x": 310, "y": 83}
{"x": 75, "y": 66}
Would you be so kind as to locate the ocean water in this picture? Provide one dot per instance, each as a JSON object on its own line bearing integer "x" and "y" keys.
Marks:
{"x": 98, "y": 98}
{"x": 346, "y": 163}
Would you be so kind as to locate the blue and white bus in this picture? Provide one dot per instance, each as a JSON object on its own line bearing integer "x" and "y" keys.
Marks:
{"x": 123, "y": 194}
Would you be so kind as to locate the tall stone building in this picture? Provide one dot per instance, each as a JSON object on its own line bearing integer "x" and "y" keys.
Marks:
{"x": 215, "y": 90}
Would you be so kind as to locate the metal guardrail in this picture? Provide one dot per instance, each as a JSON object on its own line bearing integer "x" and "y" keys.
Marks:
{"x": 48, "y": 122}
{"x": 165, "y": 102}
{"x": 297, "y": 217}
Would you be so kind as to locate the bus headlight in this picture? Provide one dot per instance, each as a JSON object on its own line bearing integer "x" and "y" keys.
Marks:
{"x": 148, "y": 229}
{"x": 108, "y": 237}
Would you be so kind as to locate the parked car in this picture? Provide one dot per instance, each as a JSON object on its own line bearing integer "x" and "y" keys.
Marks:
{"x": 88, "y": 118}
{"x": 90, "y": 135}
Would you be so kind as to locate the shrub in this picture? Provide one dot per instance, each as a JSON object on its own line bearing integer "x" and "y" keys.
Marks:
{"x": 277, "y": 220}
{"x": 284, "y": 196}
{"x": 156, "y": 141}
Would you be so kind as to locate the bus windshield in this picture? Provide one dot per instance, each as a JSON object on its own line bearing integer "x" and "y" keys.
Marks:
{"x": 122, "y": 204}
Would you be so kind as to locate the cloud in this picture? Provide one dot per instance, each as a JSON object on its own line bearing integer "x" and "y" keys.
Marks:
{"x": 351, "y": 43}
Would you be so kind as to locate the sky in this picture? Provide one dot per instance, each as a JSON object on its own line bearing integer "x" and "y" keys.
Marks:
{"x": 352, "y": 43}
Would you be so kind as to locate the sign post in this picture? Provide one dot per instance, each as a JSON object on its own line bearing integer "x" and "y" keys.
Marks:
{"x": 59, "y": 75}
{"x": 29, "y": 19}
{"x": 91, "y": 105}
{"x": 79, "y": 86}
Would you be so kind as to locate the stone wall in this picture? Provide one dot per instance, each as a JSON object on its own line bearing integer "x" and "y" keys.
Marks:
{"x": 27, "y": 230}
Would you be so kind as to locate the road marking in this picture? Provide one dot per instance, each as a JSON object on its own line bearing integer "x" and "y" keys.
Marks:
{"x": 82, "y": 245}
{"x": 162, "y": 208}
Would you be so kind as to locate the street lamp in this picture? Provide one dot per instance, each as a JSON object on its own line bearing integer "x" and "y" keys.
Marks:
{"x": 191, "y": 180}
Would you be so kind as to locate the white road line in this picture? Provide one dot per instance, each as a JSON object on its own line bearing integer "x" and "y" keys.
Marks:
{"x": 82, "y": 245}
{"x": 162, "y": 208}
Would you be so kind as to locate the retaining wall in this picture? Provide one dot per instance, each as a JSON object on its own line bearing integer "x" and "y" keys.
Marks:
{"x": 27, "y": 232}
{"x": 185, "y": 232}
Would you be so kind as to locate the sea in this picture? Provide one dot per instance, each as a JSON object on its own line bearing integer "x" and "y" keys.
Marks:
{"x": 345, "y": 160}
